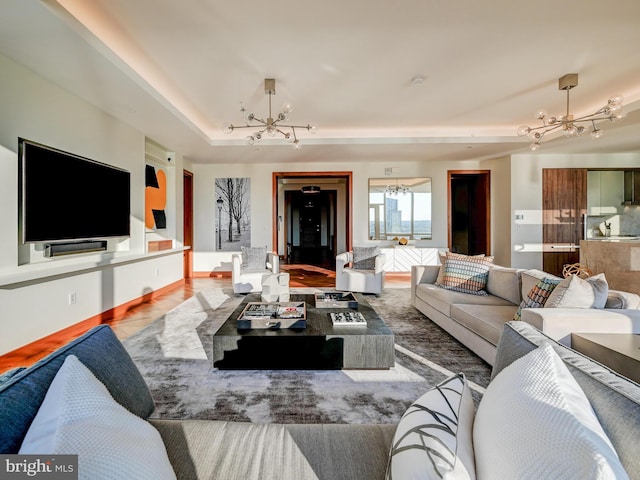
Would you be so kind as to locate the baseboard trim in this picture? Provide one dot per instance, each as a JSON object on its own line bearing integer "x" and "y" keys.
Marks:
{"x": 213, "y": 274}
{"x": 34, "y": 351}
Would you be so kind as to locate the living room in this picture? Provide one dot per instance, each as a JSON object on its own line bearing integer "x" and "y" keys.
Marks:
{"x": 54, "y": 91}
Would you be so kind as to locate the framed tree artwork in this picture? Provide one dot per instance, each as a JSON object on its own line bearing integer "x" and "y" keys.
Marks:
{"x": 233, "y": 211}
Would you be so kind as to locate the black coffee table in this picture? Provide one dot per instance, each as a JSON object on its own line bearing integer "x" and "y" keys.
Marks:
{"x": 319, "y": 346}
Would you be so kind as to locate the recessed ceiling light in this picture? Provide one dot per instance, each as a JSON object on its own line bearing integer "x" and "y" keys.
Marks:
{"x": 417, "y": 80}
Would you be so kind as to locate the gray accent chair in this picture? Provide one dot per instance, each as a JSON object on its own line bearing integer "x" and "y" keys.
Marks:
{"x": 350, "y": 278}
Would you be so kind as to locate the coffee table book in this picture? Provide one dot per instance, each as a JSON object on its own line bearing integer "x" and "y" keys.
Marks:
{"x": 273, "y": 315}
{"x": 347, "y": 318}
{"x": 336, "y": 300}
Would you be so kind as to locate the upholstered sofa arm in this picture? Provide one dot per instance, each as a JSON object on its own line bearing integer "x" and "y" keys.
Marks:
{"x": 342, "y": 261}
{"x": 381, "y": 259}
{"x": 236, "y": 264}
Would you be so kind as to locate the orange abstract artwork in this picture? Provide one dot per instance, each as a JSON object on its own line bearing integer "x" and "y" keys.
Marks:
{"x": 155, "y": 200}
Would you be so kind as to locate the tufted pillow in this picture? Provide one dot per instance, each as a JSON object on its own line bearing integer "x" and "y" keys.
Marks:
{"x": 465, "y": 274}
{"x": 254, "y": 258}
{"x": 575, "y": 292}
{"x": 534, "y": 422}
{"x": 364, "y": 258}
{"x": 538, "y": 295}
{"x": 79, "y": 416}
{"x": 434, "y": 437}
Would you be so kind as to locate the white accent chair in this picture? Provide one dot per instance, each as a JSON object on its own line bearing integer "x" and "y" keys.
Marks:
{"x": 246, "y": 273}
{"x": 351, "y": 277}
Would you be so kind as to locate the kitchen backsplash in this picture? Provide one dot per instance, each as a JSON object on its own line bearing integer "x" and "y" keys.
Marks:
{"x": 627, "y": 223}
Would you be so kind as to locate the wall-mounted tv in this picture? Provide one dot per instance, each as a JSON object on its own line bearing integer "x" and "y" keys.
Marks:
{"x": 68, "y": 197}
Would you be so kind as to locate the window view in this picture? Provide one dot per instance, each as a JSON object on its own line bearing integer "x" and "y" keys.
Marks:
{"x": 400, "y": 208}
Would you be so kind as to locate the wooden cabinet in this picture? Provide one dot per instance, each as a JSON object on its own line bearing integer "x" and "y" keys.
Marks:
{"x": 564, "y": 203}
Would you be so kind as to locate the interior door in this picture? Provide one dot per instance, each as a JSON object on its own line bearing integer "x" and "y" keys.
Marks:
{"x": 469, "y": 211}
{"x": 564, "y": 203}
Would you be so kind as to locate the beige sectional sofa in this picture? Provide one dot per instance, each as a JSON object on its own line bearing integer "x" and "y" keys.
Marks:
{"x": 477, "y": 321}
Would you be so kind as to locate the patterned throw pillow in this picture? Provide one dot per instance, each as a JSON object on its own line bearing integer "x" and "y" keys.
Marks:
{"x": 434, "y": 436}
{"x": 466, "y": 274}
{"x": 254, "y": 258}
{"x": 538, "y": 295}
{"x": 364, "y": 258}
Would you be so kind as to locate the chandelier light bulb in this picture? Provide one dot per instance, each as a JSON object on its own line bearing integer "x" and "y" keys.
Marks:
{"x": 540, "y": 114}
{"x": 249, "y": 140}
{"x": 616, "y": 100}
{"x": 534, "y": 146}
{"x": 523, "y": 130}
{"x": 228, "y": 128}
{"x": 287, "y": 108}
{"x": 296, "y": 144}
{"x": 271, "y": 131}
{"x": 596, "y": 133}
{"x": 313, "y": 129}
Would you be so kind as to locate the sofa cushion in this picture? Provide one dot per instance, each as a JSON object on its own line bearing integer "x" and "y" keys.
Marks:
{"x": 537, "y": 296}
{"x": 466, "y": 274}
{"x": 214, "y": 450}
{"x": 575, "y": 292}
{"x": 486, "y": 321}
{"x": 254, "y": 258}
{"x": 364, "y": 258}
{"x": 618, "y": 299}
{"x": 79, "y": 416}
{"x": 505, "y": 283}
{"x": 442, "y": 299}
{"x": 434, "y": 437}
{"x": 102, "y": 353}
{"x": 536, "y": 411}
{"x": 603, "y": 387}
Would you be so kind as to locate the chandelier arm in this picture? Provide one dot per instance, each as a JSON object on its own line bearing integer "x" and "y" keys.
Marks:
{"x": 593, "y": 116}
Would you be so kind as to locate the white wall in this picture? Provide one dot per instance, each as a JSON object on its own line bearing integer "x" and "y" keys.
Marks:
{"x": 206, "y": 259}
{"x": 526, "y": 197}
{"x": 34, "y": 304}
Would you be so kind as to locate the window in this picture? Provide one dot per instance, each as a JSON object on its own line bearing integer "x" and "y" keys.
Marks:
{"x": 399, "y": 207}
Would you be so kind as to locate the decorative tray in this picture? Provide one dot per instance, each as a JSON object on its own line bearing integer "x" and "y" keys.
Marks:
{"x": 336, "y": 300}
{"x": 273, "y": 315}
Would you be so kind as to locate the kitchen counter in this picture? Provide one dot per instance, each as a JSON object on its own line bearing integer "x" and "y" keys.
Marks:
{"x": 617, "y": 257}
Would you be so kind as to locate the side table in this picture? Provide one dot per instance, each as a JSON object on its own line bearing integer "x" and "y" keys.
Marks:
{"x": 618, "y": 351}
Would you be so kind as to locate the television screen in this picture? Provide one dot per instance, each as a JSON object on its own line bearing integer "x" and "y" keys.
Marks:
{"x": 67, "y": 197}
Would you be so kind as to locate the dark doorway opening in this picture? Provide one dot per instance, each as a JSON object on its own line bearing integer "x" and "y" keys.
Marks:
{"x": 311, "y": 227}
{"x": 469, "y": 212}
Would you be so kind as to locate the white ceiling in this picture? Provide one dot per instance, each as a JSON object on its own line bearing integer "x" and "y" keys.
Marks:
{"x": 178, "y": 71}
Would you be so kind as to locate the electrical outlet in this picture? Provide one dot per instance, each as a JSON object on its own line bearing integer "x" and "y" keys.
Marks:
{"x": 157, "y": 272}
{"x": 73, "y": 298}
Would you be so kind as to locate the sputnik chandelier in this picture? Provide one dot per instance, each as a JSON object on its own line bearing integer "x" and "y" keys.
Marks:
{"x": 270, "y": 126}
{"x": 571, "y": 126}
{"x": 394, "y": 190}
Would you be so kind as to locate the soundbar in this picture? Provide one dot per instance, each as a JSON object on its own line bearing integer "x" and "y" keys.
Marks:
{"x": 68, "y": 248}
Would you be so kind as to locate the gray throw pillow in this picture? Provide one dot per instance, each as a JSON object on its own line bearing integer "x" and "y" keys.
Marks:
{"x": 254, "y": 258}
{"x": 364, "y": 258}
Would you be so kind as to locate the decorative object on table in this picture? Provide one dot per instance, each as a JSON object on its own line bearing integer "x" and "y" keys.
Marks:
{"x": 403, "y": 241}
{"x": 336, "y": 300}
{"x": 607, "y": 229}
{"x": 273, "y": 315}
{"x": 347, "y": 317}
{"x": 576, "y": 269}
{"x": 275, "y": 287}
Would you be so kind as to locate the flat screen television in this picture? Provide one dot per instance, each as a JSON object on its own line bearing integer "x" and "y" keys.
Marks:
{"x": 68, "y": 197}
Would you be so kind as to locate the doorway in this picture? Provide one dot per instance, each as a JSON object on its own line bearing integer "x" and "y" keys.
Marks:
{"x": 312, "y": 216}
{"x": 469, "y": 211}
{"x": 187, "y": 218}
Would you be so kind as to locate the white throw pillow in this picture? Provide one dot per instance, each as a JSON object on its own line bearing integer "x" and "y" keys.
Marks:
{"x": 575, "y": 292}
{"x": 434, "y": 437}
{"x": 79, "y": 416}
{"x": 534, "y": 422}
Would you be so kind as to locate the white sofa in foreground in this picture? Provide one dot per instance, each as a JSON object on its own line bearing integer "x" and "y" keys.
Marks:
{"x": 477, "y": 320}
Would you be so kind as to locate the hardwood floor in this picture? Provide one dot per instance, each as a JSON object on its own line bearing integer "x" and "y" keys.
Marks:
{"x": 139, "y": 316}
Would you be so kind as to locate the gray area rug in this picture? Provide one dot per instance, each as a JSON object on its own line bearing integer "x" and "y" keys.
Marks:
{"x": 174, "y": 355}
